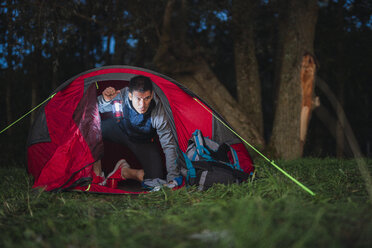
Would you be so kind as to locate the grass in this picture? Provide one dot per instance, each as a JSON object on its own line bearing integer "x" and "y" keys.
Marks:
{"x": 269, "y": 212}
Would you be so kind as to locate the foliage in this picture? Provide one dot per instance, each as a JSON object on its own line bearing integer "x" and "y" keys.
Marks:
{"x": 268, "y": 212}
{"x": 43, "y": 43}
{"x": 343, "y": 25}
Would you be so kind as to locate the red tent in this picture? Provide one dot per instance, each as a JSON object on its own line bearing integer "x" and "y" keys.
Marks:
{"x": 65, "y": 139}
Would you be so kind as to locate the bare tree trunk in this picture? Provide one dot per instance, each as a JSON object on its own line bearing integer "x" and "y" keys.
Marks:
{"x": 297, "y": 30}
{"x": 55, "y": 66}
{"x": 34, "y": 81}
{"x": 55, "y": 52}
{"x": 108, "y": 44}
{"x": 33, "y": 99}
{"x": 204, "y": 83}
{"x": 119, "y": 35}
{"x": 110, "y": 28}
{"x": 37, "y": 71}
{"x": 9, "y": 71}
{"x": 246, "y": 65}
{"x": 340, "y": 138}
{"x": 8, "y": 102}
{"x": 176, "y": 59}
{"x": 88, "y": 58}
{"x": 118, "y": 57}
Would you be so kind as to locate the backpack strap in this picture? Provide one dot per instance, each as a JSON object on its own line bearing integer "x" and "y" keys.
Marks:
{"x": 201, "y": 147}
{"x": 235, "y": 158}
{"x": 191, "y": 173}
{"x": 214, "y": 153}
{"x": 203, "y": 177}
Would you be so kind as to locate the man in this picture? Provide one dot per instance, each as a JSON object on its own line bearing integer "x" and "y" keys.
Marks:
{"x": 143, "y": 118}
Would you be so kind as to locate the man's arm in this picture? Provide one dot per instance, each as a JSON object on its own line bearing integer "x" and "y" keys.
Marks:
{"x": 104, "y": 100}
{"x": 167, "y": 141}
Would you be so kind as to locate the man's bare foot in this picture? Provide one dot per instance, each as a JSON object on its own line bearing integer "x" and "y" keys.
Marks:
{"x": 140, "y": 175}
{"x": 128, "y": 173}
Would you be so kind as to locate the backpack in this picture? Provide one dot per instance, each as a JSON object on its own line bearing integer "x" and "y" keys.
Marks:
{"x": 208, "y": 162}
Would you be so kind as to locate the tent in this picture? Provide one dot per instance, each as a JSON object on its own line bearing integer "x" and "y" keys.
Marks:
{"x": 65, "y": 138}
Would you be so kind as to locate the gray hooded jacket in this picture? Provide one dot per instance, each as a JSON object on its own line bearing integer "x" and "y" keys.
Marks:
{"x": 159, "y": 121}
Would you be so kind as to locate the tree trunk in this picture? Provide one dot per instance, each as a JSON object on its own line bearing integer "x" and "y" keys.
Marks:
{"x": 37, "y": 71}
{"x": 9, "y": 71}
{"x": 33, "y": 100}
{"x": 246, "y": 65}
{"x": 88, "y": 58}
{"x": 107, "y": 53}
{"x": 88, "y": 39}
{"x": 35, "y": 83}
{"x": 204, "y": 83}
{"x": 118, "y": 57}
{"x": 175, "y": 58}
{"x": 8, "y": 103}
{"x": 293, "y": 109}
{"x": 120, "y": 37}
{"x": 55, "y": 68}
{"x": 55, "y": 54}
{"x": 340, "y": 137}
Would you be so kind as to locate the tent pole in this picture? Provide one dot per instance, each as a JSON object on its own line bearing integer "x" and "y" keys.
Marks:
{"x": 29, "y": 112}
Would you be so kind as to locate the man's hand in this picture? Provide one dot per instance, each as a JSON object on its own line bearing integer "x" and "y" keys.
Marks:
{"x": 171, "y": 184}
{"x": 110, "y": 93}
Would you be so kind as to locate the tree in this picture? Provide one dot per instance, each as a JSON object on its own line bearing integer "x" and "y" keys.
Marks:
{"x": 295, "y": 72}
{"x": 342, "y": 47}
{"x": 225, "y": 51}
{"x": 246, "y": 65}
{"x": 10, "y": 61}
{"x": 175, "y": 57}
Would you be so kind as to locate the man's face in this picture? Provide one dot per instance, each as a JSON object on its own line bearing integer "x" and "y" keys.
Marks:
{"x": 141, "y": 100}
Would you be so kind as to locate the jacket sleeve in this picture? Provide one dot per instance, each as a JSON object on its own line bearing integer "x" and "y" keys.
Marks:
{"x": 104, "y": 106}
{"x": 167, "y": 141}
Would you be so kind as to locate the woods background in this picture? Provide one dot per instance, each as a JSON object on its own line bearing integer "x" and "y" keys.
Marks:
{"x": 258, "y": 63}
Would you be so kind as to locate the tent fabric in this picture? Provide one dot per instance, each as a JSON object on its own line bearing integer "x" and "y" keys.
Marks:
{"x": 65, "y": 139}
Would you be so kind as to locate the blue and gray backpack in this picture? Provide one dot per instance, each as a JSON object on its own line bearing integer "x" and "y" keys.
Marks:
{"x": 208, "y": 162}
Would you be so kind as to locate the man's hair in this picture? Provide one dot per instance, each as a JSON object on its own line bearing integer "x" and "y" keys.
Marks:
{"x": 140, "y": 83}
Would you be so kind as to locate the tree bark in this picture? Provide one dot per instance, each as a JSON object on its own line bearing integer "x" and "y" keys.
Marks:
{"x": 246, "y": 65}
{"x": 33, "y": 100}
{"x": 340, "y": 137}
{"x": 9, "y": 71}
{"x": 107, "y": 53}
{"x": 175, "y": 58}
{"x": 55, "y": 54}
{"x": 37, "y": 69}
{"x": 8, "y": 103}
{"x": 296, "y": 31}
{"x": 118, "y": 57}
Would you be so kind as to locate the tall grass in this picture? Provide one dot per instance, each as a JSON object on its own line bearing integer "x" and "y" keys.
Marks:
{"x": 268, "y": 212}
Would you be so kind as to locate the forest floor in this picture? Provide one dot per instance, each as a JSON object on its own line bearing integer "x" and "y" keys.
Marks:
{"x": 271, "y": 211}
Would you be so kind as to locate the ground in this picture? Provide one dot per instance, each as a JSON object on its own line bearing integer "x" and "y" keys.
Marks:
{"x": 271, "y": 211}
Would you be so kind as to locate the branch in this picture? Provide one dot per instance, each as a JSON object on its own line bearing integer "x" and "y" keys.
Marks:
{"x": 362, "y": 166}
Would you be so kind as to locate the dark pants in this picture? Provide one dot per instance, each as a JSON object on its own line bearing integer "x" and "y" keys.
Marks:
{"x": 148, "y": 154}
